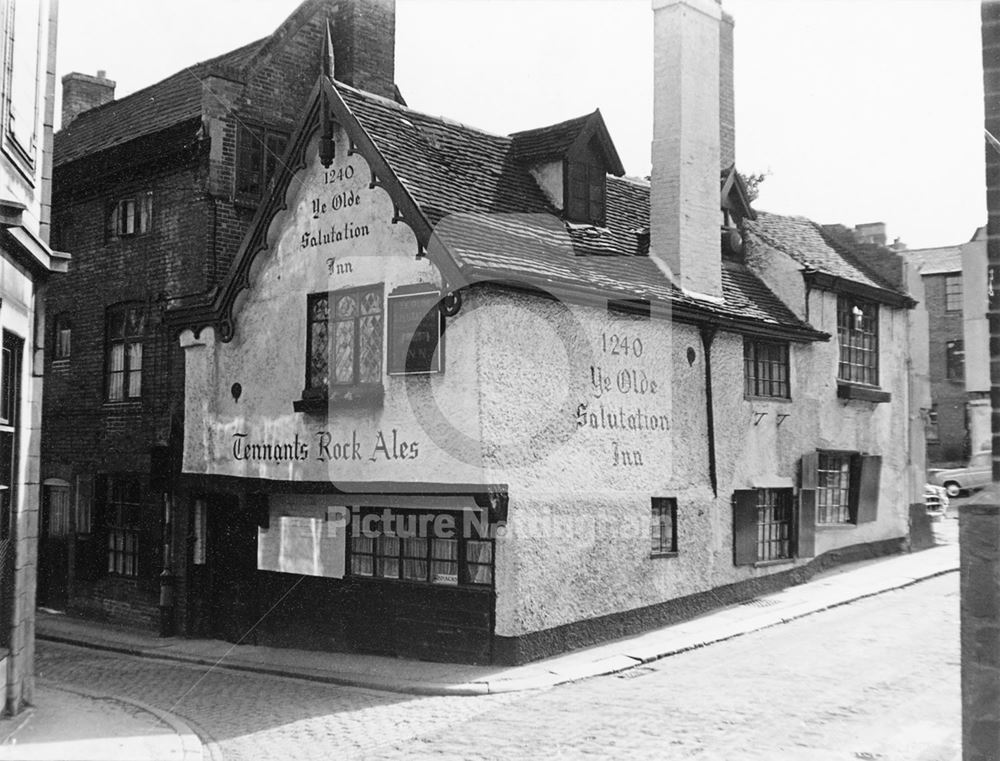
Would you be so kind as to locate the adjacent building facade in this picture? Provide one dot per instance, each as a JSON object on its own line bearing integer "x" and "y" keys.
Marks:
{"x": 955, "y": 294}
{"x": 26, "y": 262}
{"x": 466, "y": 396}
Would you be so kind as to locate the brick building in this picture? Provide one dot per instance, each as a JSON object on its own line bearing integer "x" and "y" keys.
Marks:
{"x": 153, "y": 193}
{"x": 948, "y": 424}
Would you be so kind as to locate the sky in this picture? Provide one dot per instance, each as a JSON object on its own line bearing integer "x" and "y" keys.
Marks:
{"x": 856, "y": 110}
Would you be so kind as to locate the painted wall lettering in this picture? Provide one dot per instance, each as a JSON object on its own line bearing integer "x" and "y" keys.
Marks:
{"x": 327, "y": 447}
{"x": 631, "y": 384}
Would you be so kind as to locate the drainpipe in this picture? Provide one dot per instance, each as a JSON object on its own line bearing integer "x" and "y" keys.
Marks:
{"x": 707, "y": 336}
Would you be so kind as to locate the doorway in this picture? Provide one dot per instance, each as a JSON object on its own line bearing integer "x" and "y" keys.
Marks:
{"x": 53, "y": 545}
{"x": 225, "y": 548}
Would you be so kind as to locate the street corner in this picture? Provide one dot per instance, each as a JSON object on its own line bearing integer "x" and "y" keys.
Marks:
{"x": 82, "y": 725}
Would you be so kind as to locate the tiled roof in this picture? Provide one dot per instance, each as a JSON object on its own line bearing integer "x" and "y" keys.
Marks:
{"x": 174, "y": 100}
{"x": 804, "y": 241}
{"x": 494, "y": 219}
{"x": 547, "y": 142}
{"x": 935, "y": 261}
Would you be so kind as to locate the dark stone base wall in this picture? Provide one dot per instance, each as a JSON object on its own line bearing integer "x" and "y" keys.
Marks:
{"x": 531, "y": 647}
{"x": 979, "y": 539}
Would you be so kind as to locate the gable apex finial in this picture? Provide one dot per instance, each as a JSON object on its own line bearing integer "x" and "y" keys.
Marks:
{"x": 328, "y": 55}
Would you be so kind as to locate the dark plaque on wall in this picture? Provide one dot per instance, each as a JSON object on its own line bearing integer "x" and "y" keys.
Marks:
{"x": 414, "y": 333}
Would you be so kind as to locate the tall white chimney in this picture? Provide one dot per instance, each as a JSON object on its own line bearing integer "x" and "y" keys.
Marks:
{"x": 685, "y": 213}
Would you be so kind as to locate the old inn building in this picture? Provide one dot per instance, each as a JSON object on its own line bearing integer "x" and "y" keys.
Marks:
{"x": 483, "y": 398}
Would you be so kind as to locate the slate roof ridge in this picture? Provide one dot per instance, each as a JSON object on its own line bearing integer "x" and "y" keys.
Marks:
{"x": 381, "y": 99}
{"x": 564, "y": 124}
{"x": 639, "y": 182}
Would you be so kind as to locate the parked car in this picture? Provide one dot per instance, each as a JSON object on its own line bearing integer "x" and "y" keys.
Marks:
{"x": 975, "y": 475}
{"x": 935, "y": 499}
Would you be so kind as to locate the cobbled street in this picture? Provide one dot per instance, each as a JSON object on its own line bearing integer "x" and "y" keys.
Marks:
{"x": 876, "y": 679}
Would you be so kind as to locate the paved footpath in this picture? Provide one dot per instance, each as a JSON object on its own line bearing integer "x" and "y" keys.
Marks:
{"x": 877, "y": 679}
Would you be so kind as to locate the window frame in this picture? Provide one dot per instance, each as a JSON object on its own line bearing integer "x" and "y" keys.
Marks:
{"x": 62, "y": 337}
{"x": 127, "y": 341}
{"x": 663, "y": 508}
{"x": 863, "y": 486}
{"x": 258, "y": 156}
{"x": 402, "y": 554}
{"x": 751, "y": 533}
{"x": 116, "y": 559}
{"x": 755, "y": 387}
{"x": 130, "y": 216}
{"x": 829, "y": 482}
{"x": 851, "y": 339}
{"x": 953, "y": 295}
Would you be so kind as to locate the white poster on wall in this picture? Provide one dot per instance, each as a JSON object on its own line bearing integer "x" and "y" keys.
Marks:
{"x": 305, "y": 536}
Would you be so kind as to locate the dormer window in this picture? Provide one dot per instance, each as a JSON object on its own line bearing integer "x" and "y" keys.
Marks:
{"x": 586, "y": 184}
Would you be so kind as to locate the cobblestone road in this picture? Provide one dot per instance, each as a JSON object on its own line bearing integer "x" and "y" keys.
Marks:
{"x": 877, "y": 679}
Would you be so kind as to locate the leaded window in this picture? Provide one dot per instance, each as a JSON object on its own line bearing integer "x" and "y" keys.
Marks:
{"x": 765, "y": 368}
{"x": 344, "y": 338}
{"x": 857, "y": 329}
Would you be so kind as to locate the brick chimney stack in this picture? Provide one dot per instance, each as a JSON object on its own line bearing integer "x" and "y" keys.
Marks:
{"x": 727, "y": 97}
{"x": 82, "y": 92}
{"x": 364, "y": 45}
{"x": 685, "y": 213}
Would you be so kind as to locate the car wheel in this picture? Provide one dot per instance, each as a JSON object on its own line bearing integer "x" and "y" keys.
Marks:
{"x": 952, "y": 489}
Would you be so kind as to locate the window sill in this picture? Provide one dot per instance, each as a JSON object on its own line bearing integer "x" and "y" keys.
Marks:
{"x": 126, "y": 405}
{"x": 658, "y": 555}
{"x": 778, "y": 561}
{"x": 363, "y": 396}
{"x": 874, "y": 394}
{"x": 835, "y": 526}
{"x": 760, "y": 399}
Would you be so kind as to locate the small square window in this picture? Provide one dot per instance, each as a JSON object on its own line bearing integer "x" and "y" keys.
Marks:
{"x": 258, "y": 157}
{"x": 131, "y": 216}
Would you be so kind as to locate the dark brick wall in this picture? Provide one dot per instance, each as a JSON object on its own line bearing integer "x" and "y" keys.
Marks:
{"x": 949, "y": 395}
{"x": 197, "y": 228}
